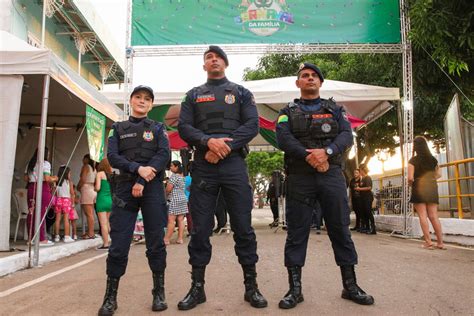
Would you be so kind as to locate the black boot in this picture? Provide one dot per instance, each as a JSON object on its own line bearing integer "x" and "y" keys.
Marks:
{"x": 110, "y": 299}
{"x": 159, "y": 300}
{"x": 294, "y": 295}
{"x": 351, "y": 290}
{"x": 196, "y": 294}
{"x": 252, "y": 294}
{"x": 372, "y": 230}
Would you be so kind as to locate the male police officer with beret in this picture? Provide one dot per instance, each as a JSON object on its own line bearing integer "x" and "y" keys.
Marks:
{"x": 139, "y": 148}
{"x": 219, "y": 118}
{"x": 314, "y": 133}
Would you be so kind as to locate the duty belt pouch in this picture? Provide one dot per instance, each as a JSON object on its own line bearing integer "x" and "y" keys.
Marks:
{"x": 111, "y": 179}
{"x": 118, "y": 201}
{"x": 301, "y": 198}
{"x": 201, "y": 184}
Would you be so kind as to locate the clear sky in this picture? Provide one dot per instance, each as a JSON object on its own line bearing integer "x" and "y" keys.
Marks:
{"x": 161, "y": 72}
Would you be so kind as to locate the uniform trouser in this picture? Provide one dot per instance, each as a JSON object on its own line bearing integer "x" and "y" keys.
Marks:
{"x": 221, "y": 213}
{"x": 356, "y": 208}
{"x": 329, "y": 189}
{"x": 122, "y": 224}
{"x": 317, "y": 215}
{"x": 366, "y": 209}
{"x": 274, "y": 208}
{"x": 229, "y": 175}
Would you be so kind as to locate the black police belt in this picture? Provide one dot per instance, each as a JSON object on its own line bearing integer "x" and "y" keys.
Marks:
{"x": 124, "y": 177}
{"x": 242, "y": 152}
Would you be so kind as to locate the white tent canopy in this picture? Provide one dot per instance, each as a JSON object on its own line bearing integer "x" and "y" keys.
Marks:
{"x": 362, "y": 101}
{"x": 23, "y": 70}
{"x": 19, "y": 58}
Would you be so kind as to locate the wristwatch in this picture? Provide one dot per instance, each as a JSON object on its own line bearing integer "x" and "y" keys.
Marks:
{"x": 328, "y": 151}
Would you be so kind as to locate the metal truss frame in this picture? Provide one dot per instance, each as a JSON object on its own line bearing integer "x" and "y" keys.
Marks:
{"x": 407, "y": 114}
{"x": 403, "y": 48}
{"x": 187, "y": 50}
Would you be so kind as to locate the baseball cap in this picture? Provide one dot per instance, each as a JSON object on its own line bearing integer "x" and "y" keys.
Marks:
{"x": 143, "y": 88}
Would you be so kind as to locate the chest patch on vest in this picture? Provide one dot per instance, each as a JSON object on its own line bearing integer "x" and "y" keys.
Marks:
{"x": 319, "y": 116}
{"x": 128, "y": 135}
{"x": 148, "y": 136}
{"x": 326, "y": 127}
{"x": 229, "y": 98}
{"x": 205, "y": 98}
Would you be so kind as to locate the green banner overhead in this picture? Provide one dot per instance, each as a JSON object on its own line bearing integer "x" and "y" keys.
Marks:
{"x": 201, "y": 22}
{"x": 95, "y": 127}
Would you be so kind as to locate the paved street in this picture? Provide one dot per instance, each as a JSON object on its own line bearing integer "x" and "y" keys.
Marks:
{"x": 403, "y": 278}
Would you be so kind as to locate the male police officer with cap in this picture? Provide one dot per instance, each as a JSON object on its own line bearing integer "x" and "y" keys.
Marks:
{"x": 139, "y": 148}
{"x": 219, "y": 118}
{"x": 314, "y": 133}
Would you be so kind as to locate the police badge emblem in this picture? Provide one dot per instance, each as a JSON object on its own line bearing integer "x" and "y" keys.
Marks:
{"x": 326, "y": 127}
{"x": 148, "y": 136}
{"x": 301, "y": 66}
{"x": 229, "y": 99}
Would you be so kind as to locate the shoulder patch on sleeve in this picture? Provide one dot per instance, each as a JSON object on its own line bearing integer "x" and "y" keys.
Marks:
{"x": 111, "y": 133}
{"x": 344, "y": 116}
{"x": 253, "y": 100}
{"x": 184, "y": 98}
{"x": 282, "y": 118}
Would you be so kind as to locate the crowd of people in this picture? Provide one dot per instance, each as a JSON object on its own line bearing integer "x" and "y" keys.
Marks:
{"x": 361, "y": 199}
{"x": 60, "y": 197}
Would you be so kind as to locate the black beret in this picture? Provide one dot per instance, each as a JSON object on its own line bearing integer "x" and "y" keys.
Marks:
{"x": 218, "y": 51}
{"x": 313, "y": 67}
{"x": 143, "y": 88}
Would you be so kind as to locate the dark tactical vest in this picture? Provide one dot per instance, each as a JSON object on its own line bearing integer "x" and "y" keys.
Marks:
{"x": 217, "y": 109}
{"x": 316, "y": 129}
{"x": 137, "y": 141}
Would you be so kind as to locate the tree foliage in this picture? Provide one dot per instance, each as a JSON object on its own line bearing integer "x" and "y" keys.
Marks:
{"x": 442, "y": 32}
{"x": 444, "y": 28}
{"x": 261, "y": 165}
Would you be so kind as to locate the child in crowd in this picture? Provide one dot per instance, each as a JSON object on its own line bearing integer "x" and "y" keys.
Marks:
{"x": 139, "y": 231}
{"x": 64, "y": 203}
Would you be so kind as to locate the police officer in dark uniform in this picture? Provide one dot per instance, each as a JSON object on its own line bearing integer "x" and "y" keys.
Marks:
{"x": 139, "y": 149}
{"x": 219, "y": 118}
{"x": 314, "y": 133}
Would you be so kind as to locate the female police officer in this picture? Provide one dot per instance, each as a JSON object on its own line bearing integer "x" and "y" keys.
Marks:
{"x": 314, "y": 133}
{"x": 139, "y": 148}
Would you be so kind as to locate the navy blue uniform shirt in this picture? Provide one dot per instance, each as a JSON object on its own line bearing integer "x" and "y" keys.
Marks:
{"x": 293, "y": 147}
{"x": 241, "y": 136}
{"x": 159, "y": 161}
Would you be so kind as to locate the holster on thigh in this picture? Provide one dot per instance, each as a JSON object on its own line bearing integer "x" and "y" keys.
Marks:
{"x": 311, "y": 202}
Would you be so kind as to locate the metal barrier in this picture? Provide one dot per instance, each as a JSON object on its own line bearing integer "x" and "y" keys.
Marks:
{"x": 388, "y": 190}
{"x": 457, "y": 179}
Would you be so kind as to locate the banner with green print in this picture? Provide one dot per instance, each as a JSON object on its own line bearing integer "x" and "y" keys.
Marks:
{"x": 203, "y": 22}
{"x": 95, "y": 127}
